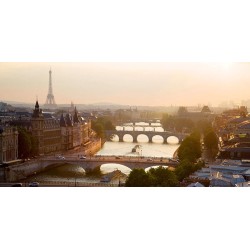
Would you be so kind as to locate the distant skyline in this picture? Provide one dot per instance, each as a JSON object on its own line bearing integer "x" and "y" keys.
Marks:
{"x": 134, "y": 84}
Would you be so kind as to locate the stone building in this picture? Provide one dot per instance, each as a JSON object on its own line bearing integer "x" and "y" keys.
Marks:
{"x": 54, "y": 135}
{"x": 46, "y": 131}
{"x": 204, "y": 114}
{"x": 8, "y": 144}
{"x": 75, "y": 130}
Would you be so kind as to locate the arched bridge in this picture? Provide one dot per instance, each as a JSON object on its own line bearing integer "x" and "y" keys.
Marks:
{"x": 93, "y": 162}
{"x": 149, "y": 134}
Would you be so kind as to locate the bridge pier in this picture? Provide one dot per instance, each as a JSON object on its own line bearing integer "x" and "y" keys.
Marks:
{"x": 150, "y": 139}
{"x": 120, "y": 139}
{"x": 135, "y": 139}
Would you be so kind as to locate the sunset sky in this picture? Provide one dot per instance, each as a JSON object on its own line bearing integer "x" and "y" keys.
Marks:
{"x": 144, "y": 83}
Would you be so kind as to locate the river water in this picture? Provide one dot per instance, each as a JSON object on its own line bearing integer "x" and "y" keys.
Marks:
{"x": 69, "y": 173}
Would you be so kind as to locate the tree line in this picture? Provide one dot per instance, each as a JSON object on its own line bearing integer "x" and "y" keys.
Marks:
{"x": 100, "y": 125}
{"x": 189, "y": 154}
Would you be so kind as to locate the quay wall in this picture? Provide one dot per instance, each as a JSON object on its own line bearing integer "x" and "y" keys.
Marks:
{"x": 21, "y": 171}
{"x": 93, "y": 147}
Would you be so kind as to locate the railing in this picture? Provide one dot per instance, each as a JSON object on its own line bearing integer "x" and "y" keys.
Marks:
{"x": 115, "y": 159}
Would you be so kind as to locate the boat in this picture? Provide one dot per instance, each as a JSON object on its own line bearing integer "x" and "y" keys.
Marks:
{"x": 136, "y": 149}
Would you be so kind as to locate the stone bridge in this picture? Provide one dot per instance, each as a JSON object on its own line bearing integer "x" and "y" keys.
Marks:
{"x": 149, "y": 121}
{"x": 149, "y": 134}
{"x": 93, "y": 162}
{"x": 132, "y": 124}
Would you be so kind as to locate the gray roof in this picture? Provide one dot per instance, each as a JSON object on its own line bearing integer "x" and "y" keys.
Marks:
{"x": 197, "y": 184}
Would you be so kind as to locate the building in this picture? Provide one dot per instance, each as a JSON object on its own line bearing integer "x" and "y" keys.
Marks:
{"x": 54, "y": 135}
{"x": 204, "y": 114}
{"x": 8, "y": 144}
{"x": 46, "y": 131}
{"x": 75, "y": 130}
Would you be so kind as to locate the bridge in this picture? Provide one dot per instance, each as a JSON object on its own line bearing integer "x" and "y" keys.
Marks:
{"x": 133, "y": 124}
{"x": 96, "y": 161}
{"x": 149, "y": 121}
{"x": 149, "y": 134}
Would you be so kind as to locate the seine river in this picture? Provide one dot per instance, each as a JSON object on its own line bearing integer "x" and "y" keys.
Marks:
{"x": 69, "y": 173}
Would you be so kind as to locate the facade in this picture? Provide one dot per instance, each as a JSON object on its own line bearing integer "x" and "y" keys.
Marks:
{"x": 54, "y": 135}
{"x": 204, "y": 114}
{"x": 8, "y": 144}
{"x": 75, "y": 130}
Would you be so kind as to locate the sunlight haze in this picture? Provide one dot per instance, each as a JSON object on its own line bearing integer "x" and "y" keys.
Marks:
{"x": 152, "y": 84}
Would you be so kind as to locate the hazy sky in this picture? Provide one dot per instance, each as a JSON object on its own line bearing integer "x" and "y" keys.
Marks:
{"x": 127, "y": 83}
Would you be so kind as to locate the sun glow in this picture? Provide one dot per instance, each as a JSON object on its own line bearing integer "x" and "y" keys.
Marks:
{"x": 226, "y": 65}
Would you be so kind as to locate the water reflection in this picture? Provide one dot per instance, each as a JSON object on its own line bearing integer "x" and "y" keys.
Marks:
{"x": 158, "y": 139}
{"x": 142, "y": 138}
{"x": 172, "y": 140}
{"x": 69, "y": 173}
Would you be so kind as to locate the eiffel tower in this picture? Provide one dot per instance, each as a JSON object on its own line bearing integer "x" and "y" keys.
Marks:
{"x": 50, "y": 101}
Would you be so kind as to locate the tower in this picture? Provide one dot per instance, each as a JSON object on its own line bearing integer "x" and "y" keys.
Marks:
{"x": 50, "y": 101}
{"x": 37, "y": 124}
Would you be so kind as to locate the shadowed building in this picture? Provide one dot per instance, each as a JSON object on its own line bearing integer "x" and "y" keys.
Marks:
{"x": 204, "y": 114}
{"x": 8, "y": 144}
{"x": 54, "y": 135}
{"x": 75, "y": 130}
{"x": 46, "y": 131}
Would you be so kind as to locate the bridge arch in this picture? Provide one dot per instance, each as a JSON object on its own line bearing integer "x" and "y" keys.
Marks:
{"x": 158, "y": 139}
{"x": 110, "y": 167}
{"x": 173, "y": 140}
{"x": 129, "y": 138}
{"x": 141, "y": 138}
{"x": 113, "y": 136}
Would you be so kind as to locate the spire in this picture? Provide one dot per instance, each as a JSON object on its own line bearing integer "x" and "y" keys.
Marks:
{"x": 37, "y": 112}
{"x": 75, "y": 118}
{"x": 62, "y": 121}
{"x": 68, "y": 120}
{"x": 37, "y": 105}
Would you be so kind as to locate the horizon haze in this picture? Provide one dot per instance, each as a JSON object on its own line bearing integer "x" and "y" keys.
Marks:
{"x": 134, "y": 84}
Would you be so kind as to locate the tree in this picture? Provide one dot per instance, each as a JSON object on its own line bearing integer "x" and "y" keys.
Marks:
{"x": 211, "y": 143}
{"x": 108, "y": 125}
{"x": 138, "y": 178}
{"x": 203, "y": 126}
{"x": 155, "y": 177}
{"x": 102, "y": 124}
{"x": 190, "y": 148}
{"x": 162, "y": 177}
{"x": 186, "y": 168}
{"x": 98, "y": 128}
{"x": 178, "y": 123}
